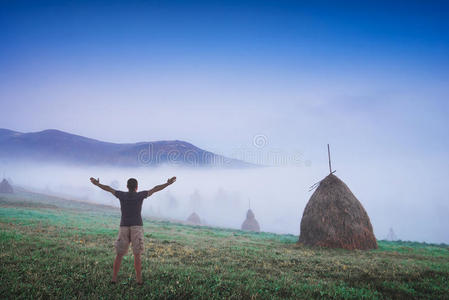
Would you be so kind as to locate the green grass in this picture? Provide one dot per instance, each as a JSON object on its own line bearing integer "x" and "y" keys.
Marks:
{"x": 52, "y": 248}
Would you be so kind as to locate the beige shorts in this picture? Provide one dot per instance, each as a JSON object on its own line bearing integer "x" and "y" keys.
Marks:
{"x": 127, "y": 235}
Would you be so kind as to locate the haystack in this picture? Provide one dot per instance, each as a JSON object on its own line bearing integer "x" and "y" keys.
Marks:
{"x": 5, "y": 187}
{"x": 250, "y": 223}
{"x": 334, "y": 218}
{"x": 194, "y": 219}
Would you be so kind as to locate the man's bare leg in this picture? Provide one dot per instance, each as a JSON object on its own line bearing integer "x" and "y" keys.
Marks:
{"x": 138, "y": 267}
{"x": 117, "y": 262}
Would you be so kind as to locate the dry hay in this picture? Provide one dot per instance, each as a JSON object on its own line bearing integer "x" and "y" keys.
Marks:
{"x": 334, "y": 218}
{"x": 5, "y": 187}
{"x": 250, "y": 223}
{"x": 194, "y": 219}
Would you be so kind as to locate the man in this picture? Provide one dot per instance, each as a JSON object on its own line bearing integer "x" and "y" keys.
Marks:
{"x": 131, "y": 230}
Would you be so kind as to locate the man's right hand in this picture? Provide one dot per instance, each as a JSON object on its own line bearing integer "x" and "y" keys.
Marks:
{"x": 171, "y": 180}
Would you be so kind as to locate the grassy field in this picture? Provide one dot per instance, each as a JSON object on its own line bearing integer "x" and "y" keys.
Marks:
{"x": 53, "y": 248}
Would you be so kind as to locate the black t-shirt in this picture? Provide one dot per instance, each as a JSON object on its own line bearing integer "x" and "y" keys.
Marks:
{"x": 131, "y": 207}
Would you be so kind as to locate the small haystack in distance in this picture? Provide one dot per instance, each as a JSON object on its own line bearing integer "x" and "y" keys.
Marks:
{"x": 334, "y": 218}
{"x": 250, "y": 223}
{"x": 194, "y": 219}
{"x": 5, "y": 187}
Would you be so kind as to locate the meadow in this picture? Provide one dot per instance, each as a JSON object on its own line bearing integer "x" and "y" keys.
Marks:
{"x": 53, "y": 248}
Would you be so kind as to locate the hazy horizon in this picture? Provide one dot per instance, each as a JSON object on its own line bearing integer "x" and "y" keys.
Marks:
{"x": 278, "y": 195}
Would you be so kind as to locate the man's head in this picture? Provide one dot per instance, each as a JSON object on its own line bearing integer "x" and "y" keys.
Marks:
{"x": 132, "y": 185}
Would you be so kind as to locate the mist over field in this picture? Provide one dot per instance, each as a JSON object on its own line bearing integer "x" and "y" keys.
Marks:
{"x": 408, "y": 198}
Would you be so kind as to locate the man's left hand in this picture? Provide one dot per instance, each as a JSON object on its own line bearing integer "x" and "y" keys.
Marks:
{"x": 171, "y": 180}
{"x": 95, "y": 181}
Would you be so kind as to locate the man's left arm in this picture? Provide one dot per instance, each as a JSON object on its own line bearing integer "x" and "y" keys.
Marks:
{"x": 160, "y": 187}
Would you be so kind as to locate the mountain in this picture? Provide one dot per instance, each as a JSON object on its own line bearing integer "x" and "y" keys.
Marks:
{"x": 58, "y": 146}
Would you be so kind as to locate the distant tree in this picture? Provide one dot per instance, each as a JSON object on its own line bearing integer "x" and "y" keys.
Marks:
{"x": 391, "y": 236}
{"x": 195, "y": 200}
{"x": 172, "y": 202}
{"x": 115, "y": 184}
{"x": 5, "y": 187}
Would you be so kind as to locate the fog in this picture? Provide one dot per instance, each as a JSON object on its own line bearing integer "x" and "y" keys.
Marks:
{"x": 408, "y": 198}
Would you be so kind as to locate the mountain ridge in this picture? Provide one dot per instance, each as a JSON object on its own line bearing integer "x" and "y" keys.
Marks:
{"x": 53, "y": 145}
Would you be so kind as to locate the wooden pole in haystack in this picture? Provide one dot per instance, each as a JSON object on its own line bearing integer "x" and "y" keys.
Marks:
{"x": 330, "y": 169}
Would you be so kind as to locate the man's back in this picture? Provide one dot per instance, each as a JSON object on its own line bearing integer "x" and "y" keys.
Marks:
{"x": 131, "y": 207}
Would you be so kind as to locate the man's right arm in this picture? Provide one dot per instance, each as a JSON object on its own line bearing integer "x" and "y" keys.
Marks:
{"x": 106, "y": 188}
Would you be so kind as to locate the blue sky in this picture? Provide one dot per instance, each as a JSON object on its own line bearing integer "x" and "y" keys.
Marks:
{"x": 216, "y": 73}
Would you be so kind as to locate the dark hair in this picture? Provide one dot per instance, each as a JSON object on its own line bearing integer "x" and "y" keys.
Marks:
{"x": 132, "y": 184}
